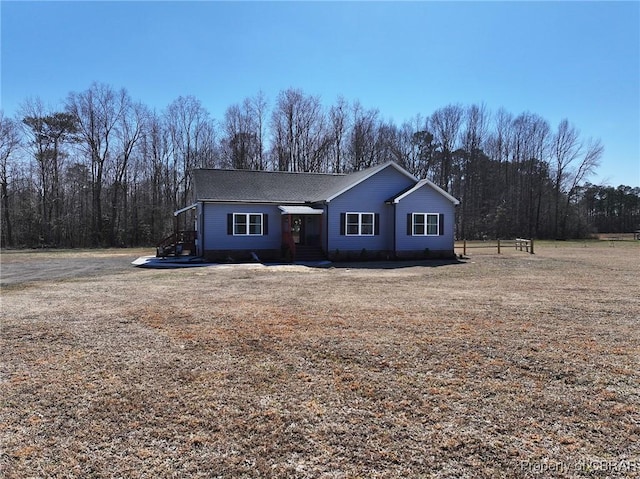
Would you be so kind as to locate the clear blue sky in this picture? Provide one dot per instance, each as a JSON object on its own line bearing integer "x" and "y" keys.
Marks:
{"x": 578, "y": 60}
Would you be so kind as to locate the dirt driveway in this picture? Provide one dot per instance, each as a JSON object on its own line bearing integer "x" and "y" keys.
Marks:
{"x": 27, "y": 266}
{"x": 19, "y": 267}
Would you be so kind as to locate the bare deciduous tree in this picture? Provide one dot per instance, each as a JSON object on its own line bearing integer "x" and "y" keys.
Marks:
{"x": 258, "y": 107}
{"x": 415, "y": 147}
{"x": 129, "y": 131}
{"x": 362, "y": 143}
{"x": 338, "y": 124}
{"x": 513, "y": 174}
{"x": 241, "y": 143}
{"x": 445, "y": 123}
{"x": 48, "y": 132}
{"x": 9, "y": 143}
{"x": 191, "y": 133}
{"x": 97, "y": 111}
{"x": 300, "y": 139}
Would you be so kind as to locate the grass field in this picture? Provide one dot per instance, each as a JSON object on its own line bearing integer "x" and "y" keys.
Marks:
{"x": 510, "y": 365}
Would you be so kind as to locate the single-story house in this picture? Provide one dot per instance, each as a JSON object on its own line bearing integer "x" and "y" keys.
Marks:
{"x": 382, "y": 212}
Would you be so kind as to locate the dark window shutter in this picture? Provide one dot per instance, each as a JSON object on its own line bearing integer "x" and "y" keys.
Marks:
{"x": 265, "y": 224}
{"x": 230, "y": 223}
{"x": 376, "y": 225}
{"x": 409, "y": 224}
{"x": 343, "y": 219}
{"x": 441, "y": 225}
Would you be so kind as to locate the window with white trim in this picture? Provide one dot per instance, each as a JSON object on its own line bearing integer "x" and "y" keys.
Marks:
{"x": 247, "y": 224}
{"x": 360, "y": 224}
{"x": 425, "y": 224}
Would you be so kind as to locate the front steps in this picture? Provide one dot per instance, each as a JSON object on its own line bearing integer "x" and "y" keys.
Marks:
{"x": 309, "y": 253}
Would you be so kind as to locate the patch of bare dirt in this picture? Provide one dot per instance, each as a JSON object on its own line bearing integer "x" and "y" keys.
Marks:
{"x": 509, "y": 365}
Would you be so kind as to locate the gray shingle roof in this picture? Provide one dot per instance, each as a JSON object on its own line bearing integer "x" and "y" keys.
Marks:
{"x": 271, "y": 186}
{"x": 266, "y": 186}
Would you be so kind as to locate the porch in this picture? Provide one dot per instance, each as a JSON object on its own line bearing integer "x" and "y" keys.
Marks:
{"x": 181, "y": 242}
{"x": 302, "y": 233}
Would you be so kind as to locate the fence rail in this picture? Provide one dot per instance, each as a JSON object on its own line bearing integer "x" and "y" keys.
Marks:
{"x": 520, "y": 244}
{"x": 527, "y": 244}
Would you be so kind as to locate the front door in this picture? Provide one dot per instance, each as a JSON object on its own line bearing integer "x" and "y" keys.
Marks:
{"x": 305, "y": 229}
{"x": 298, "y": 229}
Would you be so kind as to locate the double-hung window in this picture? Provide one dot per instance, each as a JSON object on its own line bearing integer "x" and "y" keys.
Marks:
{"x": 425, "y": 224}
{"x": 360, "y": 224}
{"x": 247, "y": 224}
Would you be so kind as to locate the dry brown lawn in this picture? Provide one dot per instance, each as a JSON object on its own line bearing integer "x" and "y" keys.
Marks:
{"x": 514, "y": 365}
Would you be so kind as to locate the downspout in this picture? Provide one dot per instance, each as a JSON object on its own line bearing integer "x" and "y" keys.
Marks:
{"x": 326, "y": 220}
{"x": 395, "y": 227}
{"x": 201, "y": 229}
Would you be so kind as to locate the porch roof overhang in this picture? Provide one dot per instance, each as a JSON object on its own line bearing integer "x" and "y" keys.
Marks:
{"x": 299, "y": 210}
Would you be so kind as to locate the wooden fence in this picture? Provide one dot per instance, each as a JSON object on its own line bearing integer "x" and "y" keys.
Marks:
{"x": 520, "y": 244}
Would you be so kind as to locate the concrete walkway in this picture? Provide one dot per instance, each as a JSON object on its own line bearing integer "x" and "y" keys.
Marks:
{"x": 194, "y": 261}
{"x": 169, "y": 262}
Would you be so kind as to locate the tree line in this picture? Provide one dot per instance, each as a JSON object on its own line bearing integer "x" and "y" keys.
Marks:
{"x": 106, "y": 170}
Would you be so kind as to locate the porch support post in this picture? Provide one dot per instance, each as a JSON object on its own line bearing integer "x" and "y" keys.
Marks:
{"x": 292, "y": 244}
{"x": 287, "y": 239}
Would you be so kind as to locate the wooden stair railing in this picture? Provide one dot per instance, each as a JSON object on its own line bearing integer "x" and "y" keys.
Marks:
{"x": 176, "y": 244}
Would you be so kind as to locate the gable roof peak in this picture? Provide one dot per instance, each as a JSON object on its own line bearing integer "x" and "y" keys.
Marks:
{"x": 420, "y": 184}
{"x": 357, "y": 177}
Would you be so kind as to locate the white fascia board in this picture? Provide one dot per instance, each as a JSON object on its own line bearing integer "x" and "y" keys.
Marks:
{"x": 431, "y": 184}
{"x": 186, "y": 208}
{"x": 373, "y": 172}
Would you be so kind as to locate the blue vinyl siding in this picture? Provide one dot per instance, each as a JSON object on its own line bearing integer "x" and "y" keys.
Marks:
{"x": 215, "y": 224}
{"x": 425, "y": 200}
{"x": 367, "y": 197}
